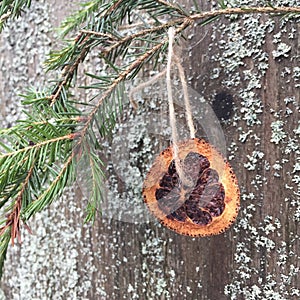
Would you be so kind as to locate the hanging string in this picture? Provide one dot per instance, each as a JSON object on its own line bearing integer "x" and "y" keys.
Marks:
{"x": 188, "y": 111}
{"x": 142, "y": 85}
{"x": 178, "y": 165}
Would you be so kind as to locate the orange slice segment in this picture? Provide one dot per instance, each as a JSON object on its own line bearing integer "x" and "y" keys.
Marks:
{"x": 208, "y": 206}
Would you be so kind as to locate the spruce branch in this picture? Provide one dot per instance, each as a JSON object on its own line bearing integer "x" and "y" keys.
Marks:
{"x": 82, "y": 15}
{"x": 11, "y": 9}
{"x": 78, "y": 49}
{"x": 68, "y": 73}
{"x": 61, "y": 180}
{"x": 15, "y": 153}
{"x": 38, "y": 155}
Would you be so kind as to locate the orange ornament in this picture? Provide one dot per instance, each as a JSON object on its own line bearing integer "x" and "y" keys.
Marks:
{"x": 208, "y": 205}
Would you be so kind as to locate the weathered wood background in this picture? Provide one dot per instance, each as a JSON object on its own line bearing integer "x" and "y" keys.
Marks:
{"x": 252, "y": 61}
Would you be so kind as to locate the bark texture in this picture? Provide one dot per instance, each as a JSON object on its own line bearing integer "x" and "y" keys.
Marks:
{"x": 247, "y": 69}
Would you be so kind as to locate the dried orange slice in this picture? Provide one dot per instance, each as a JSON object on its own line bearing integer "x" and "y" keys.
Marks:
{"x": 208, "y": 206}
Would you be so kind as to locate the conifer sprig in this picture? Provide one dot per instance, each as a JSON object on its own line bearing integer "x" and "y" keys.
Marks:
{"x": 11, "y": 9}
{"x": 38, "y": 155}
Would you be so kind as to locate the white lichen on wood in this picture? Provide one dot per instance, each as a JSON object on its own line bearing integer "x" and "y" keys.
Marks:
{"x": 59, "y": 261}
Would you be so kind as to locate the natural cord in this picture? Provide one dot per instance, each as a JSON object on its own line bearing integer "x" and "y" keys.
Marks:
{"x": 174, "y": 134}
{"x": 187, "y": 104}
{"x": 172, "y": 117}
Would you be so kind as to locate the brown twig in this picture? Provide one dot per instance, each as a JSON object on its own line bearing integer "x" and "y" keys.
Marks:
{"x": 68, "y": 71}
{"x": 143, "y": 33}
{"x": 101, "y": 34}
{"x": 243, "y": 11}
{"x": 65, "y": 137}
{"x": 4, "y": 17}
{"x": 13, "y": 219}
